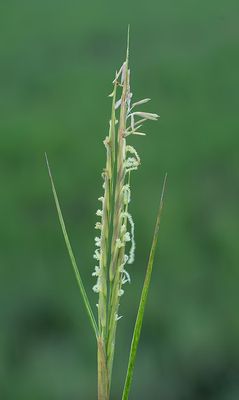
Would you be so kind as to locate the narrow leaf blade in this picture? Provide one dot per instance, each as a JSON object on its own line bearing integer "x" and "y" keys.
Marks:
{"x": 71, "y": 255}
{"x": 143, "y": 299}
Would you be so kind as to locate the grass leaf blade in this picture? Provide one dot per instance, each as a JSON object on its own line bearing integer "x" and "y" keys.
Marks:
{"x": 71, "y": 255}
{"x": 143, "y": 299}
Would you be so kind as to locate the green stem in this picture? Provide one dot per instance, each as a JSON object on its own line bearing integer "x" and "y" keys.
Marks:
{"x": 103, "y": 381}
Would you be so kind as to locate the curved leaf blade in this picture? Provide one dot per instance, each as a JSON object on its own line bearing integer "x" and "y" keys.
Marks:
{"x": 143, "y": 299}
{"x": 71, "y": 255}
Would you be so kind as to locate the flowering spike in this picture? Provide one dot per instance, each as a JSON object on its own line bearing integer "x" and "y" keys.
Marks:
{"x": 116, "y": 224}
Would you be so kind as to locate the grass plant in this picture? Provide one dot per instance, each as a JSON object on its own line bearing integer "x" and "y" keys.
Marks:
{"x": 115, "y": 243}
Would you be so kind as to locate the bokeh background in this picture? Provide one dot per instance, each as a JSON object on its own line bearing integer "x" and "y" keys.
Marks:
{"x": 57, "y": 61}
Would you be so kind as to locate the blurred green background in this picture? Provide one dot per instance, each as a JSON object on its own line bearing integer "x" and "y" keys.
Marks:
{"x": 57, "y": 61}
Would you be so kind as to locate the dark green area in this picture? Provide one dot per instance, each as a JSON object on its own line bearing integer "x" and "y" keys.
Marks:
{"x": 57, "y": 61}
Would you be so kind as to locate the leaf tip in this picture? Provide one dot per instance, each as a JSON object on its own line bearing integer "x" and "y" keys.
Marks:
{"x": 164, "y": 187}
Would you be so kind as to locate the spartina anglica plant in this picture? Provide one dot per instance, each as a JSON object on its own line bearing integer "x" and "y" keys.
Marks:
{"x": 115, "y": 243}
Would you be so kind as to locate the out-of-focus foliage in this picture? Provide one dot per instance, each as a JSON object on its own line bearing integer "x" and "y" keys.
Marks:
{"x": 57, "y": 61}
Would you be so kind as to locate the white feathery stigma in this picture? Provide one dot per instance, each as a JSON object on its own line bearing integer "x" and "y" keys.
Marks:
{"x": 132, "y": 249}
{"x": 98, "y": 225}
{"x": 126, "y": 194}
